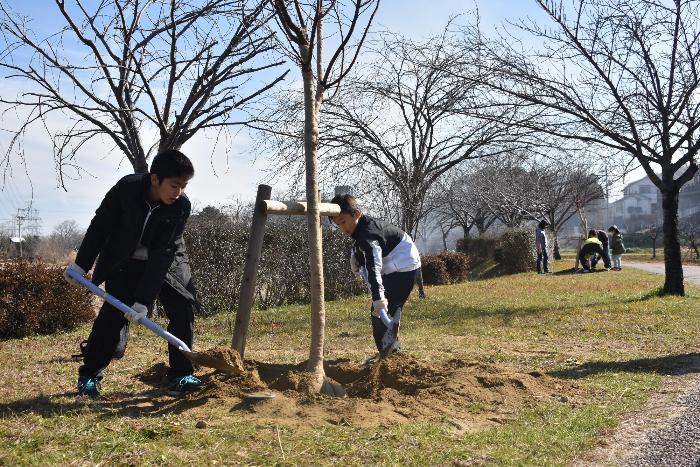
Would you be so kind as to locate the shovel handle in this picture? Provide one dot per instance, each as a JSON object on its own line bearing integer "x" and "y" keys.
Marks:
{"x": 121, "y": 306}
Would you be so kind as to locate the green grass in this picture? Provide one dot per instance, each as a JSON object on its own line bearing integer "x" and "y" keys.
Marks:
{"x": 607, "y": 333}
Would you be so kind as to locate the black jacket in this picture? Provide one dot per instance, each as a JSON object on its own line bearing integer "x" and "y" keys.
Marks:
{"x": 381, "y": 249}
{"x": 603, "y": 237}
{"x": 114, "y": 234}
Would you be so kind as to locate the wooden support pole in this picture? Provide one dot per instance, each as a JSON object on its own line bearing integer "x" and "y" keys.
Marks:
{"x": 250, "y": 270}
{"x": 298, "y": 208}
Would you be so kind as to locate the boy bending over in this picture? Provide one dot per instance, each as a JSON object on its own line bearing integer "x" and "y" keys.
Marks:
{"x": 387, "y": 260}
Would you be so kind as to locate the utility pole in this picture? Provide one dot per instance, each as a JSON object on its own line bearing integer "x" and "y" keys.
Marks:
{"x": 20, "y": 218}
{"x": 31, "y": 216}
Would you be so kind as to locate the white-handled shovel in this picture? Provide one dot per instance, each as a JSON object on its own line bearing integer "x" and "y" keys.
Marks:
{"x": 221, "y": 359}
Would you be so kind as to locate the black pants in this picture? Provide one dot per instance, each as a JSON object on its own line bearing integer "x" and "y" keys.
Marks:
{"x": 110, "y": 329}
{"x": 397, "y": 288}
{"x": 606, "y": 258}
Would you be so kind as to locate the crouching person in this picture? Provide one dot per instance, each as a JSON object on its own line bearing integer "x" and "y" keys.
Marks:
{"x": 592, "y": 246}
{"x": 137, "y": 233}
{"x": 388, "y": 261}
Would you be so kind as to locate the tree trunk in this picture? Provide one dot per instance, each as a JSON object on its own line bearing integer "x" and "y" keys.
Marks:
{"x": 318, "y": 312}
{"x": 557, "y": 253}
{"x": 673, "y": 283}
{"x": 419, "y": 282}
{"x": 653, "y": 248}
{"x": 140, "y": 165}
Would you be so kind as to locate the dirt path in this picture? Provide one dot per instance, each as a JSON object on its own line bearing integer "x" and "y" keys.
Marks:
{"x": 666, "y": 430}
{"x": 691, "y": 273}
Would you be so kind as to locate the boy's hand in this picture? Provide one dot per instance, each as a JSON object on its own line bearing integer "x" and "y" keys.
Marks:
{"x": 75, "y": 268}
{"x": 379, "y": 309}
{"x": 378, "y": 305}
{"x": 137, "y": 312}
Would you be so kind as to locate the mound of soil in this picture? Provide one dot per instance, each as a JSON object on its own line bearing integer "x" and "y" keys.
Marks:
{"x": 397, "y": 389}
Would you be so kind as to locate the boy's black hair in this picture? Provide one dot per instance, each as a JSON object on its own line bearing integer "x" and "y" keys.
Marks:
{"x": 171, "y": 163}
{"x": 543, "y": 223}
{"x": 592, "y": 233}
{"x": 348, "y": 204}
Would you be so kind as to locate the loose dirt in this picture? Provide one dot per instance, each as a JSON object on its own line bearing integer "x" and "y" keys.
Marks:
{"x": 222, "y": 359}
{"x": 469, "y": 396}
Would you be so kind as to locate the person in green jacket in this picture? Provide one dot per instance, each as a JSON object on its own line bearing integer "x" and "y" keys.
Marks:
{"x": 617, "y": 248}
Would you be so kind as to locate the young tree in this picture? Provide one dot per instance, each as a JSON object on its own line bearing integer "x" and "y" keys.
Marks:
{"x": 127, "y": 68}
{"x": 302, "y": 24}
{"x": 653, "y": 231}
{"x": 622, "y": 74}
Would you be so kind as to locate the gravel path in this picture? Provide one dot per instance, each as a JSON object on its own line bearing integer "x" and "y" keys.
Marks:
{"x": 690, "y": 273}
{"x": 678, "y": 442}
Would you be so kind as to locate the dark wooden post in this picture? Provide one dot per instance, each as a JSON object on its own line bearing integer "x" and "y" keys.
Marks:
{"x": 250, "y": 271}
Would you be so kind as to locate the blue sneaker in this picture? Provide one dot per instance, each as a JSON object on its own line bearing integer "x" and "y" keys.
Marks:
{"x": 183, "y": 384}
{"x": 88, "y": 386}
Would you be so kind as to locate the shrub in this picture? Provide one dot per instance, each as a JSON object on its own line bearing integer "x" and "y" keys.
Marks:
{"x": 35, "y": 299}
{"x": 217, "y": 253}
{"x": 457, "y": 265}
{"x": 480, "y": 248}
{"x": 517, "y": 251}
{"x": 434, "y": 270}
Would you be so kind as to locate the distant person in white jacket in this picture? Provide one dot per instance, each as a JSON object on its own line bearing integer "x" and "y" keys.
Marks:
{"x": 541, "y": 244}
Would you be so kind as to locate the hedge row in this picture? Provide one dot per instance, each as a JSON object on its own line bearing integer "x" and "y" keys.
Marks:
{"x": 514, "y": 250}
{"x": 445, "y": 268}
{"x": 217, "y": 255}
{"x": 35, "y": 299}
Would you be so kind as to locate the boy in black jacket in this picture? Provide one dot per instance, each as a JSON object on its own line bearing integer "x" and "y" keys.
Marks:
{"x": 137, "y": 233}
{"x": 388, "y": 261}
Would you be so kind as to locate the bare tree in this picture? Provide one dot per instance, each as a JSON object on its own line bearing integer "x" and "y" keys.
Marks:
{"x": 508, "y": 189}
{"x": 622, "y": 74}
{"x": 302, "y": 24}
{"x": 68, "y": 234}
{"x": 405, "y": 115}
{"x": 173, "y": 68}
{"x": 457, "y": 202}
{"x": 653, "y": 231}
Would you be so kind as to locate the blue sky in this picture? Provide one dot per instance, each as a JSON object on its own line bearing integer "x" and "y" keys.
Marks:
{"x": 218, "y": 178}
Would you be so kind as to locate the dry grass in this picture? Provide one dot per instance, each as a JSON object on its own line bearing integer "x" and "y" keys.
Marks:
{"x": 606, "y": 333}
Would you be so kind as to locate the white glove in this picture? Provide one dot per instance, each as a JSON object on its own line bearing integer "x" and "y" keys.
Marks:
{"x": 73, "y": 267}
{"x": 379, "y": 308}
{"x": 378, "y": 305}
{"x": 137, "y": 312}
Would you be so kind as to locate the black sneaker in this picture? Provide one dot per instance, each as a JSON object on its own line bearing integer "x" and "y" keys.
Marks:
{"x": 88, "y": 386}
{"x": 183, "y": 384}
